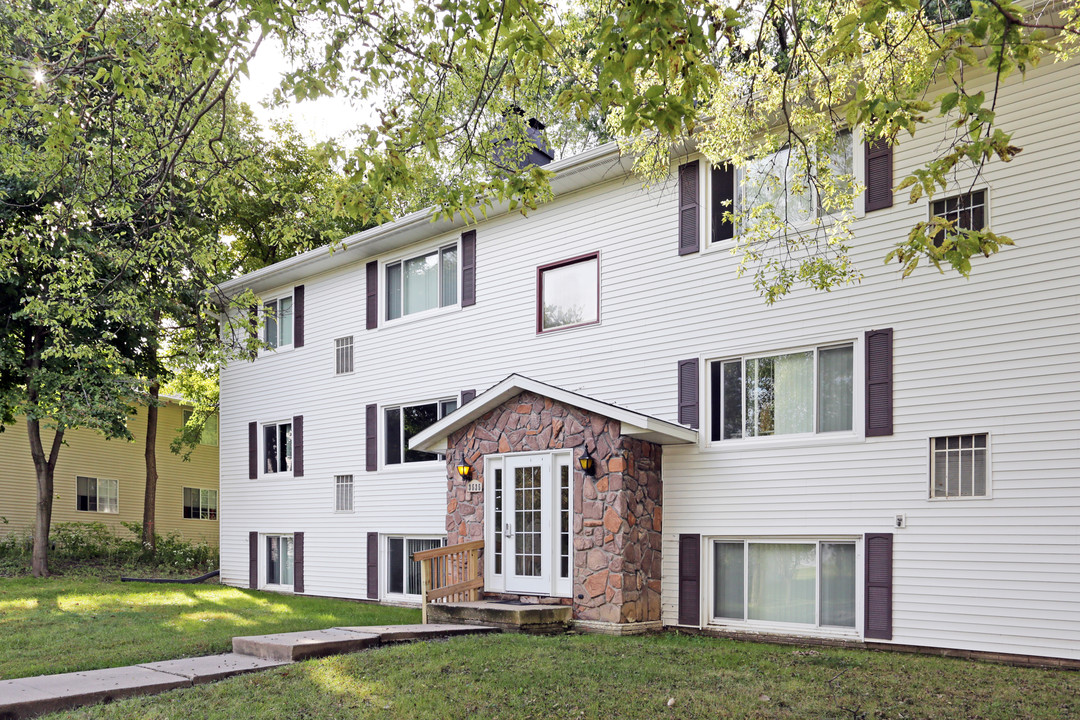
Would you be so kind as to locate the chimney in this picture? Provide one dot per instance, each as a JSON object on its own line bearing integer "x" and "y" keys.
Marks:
{"x": 537, "y": 151}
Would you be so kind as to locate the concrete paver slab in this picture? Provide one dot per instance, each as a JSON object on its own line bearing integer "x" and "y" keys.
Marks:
{"x": 49, "y": 693}
{"x": 403, "y": 633}
{"x": 211, "y": 668}
{"x": 303, "y": 645}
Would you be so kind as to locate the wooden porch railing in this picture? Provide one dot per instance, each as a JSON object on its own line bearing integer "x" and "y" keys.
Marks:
{"x": 450, "y": 574}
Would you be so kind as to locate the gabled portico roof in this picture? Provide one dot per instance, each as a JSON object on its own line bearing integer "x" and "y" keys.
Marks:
{"x": 646, "y": 427}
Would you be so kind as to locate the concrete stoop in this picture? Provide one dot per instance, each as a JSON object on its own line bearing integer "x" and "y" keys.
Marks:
{"x": 513, "y": 617}
{"x": 33, "y": 696}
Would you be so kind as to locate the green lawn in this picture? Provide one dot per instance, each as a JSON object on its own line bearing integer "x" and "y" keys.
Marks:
{"x": 612, "y": 678}
{"x": 56, "y": 625}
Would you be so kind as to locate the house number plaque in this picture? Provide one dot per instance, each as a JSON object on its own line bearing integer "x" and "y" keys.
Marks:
{"x": 474, "y": 486}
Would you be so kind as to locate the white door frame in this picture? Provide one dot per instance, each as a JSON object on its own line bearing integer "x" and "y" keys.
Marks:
{"x": 499, "y": 500}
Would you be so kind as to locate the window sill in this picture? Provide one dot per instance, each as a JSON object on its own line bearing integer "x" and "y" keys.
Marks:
{"x": 784, "y": 629}
{"x": 961, "y": 498}
{"x": 565, "y": 328}
{"x": 794, "y": 441}
{"x": 276, "y": 476}
{"x": 418, "y": 316}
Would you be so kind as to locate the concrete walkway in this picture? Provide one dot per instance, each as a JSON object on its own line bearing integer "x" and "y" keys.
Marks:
{"x": 33, "y": 696}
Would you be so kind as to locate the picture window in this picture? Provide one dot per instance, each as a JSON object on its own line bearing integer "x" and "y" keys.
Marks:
{"x": 569, "y": 294}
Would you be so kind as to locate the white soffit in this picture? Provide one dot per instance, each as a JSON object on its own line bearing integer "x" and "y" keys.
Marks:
{"x": 645, "y": 427}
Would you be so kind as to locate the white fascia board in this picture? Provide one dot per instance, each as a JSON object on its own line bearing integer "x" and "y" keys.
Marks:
{"x": 662, "y": 432}
{"x": 573, "y": 173}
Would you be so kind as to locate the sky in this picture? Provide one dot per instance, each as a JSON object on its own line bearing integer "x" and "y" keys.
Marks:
{"x": 319, "y": 120}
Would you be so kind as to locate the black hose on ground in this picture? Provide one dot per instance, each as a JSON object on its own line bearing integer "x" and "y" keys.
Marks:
{"x": 189, "y": 581}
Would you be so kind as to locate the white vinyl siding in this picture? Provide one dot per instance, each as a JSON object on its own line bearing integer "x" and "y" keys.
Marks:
{"x": 995, "y": 353}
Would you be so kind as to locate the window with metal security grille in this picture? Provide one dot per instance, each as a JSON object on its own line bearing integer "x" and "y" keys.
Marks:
{"x": 402, "y": 572}
{"x": 769, "y": 581}
{"x": 424, "y": 282}
{"x": 958, "y": 466}
{"x": 966, "y": 211}
{"x": 402, "y": 423}
{"x": 343, "y": 355}
{"x": 200, "y": 504}
{"x": 797, "y": 392}
{"x": 97, "y": 495}
{"x": 343, "y": 493}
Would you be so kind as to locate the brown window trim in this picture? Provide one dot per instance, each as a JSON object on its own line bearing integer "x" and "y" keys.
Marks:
{"x": 540, "y": 292}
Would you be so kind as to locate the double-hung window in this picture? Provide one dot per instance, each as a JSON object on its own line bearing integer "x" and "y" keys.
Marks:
{"x": 278, "y": 322}
{"x": 402, "y": 572}
{"x": 277, "y": 448}
{"x": 405, "y": 421}
{"x": 804, "y": 391}
{"x": 423, "y": 282}
{"x": 780, "y": 181}
{"x": 279, "y": 560}
{"x": 200, "y": 504}
{"x": 97, "y": 495}
{"x": 810, "y": 583}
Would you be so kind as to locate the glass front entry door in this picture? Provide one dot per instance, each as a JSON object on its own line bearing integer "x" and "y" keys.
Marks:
{"x": 528, "y": 524}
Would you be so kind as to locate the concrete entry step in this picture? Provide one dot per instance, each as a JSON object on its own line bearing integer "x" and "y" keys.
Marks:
{"x": 514, "y": 617}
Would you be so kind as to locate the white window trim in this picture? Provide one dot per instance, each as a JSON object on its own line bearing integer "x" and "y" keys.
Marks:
{"x": 384, "y": 565}
{"x": 97, "y": 479}
{"x": 263, "y": 584}
{"x": 708, "y": 588}
{"x": 381, "y": 438}
{"x": 414, "y": 252}
{"x": 560, "y": 587}
{"x": 262, "y": 314}
{"x": 333, "y": 499}
{"x": 262, "y": 449}
{"x": 858, "y": 166}
{"x": 930, "y": 467}
{"x": 840, "y": 437}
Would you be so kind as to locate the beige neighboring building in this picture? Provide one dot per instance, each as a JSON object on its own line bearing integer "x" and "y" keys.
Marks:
{"x": 99, "y": 480}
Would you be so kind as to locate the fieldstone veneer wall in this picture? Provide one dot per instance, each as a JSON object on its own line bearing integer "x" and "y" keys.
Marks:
{"x": 617, "y": 513}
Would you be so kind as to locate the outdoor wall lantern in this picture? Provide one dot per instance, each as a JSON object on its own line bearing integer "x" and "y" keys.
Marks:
{"x": 588, "y": 465}
{"x": 464, "y": 470}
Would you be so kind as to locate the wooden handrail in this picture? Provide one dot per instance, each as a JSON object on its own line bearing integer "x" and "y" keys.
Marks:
{"x": 450, "y": 574}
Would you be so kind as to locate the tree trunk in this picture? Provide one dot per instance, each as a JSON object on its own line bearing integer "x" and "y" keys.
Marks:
{"x": 150, "y": 498}
{"x": 43, "y": 467}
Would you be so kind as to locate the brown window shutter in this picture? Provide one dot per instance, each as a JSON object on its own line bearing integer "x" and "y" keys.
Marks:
{"x": 373, "y": 565}
{"x": 253, "y": 450}
{"x": 298, "y": 316}
{"x": 298, "y": 446}
{"x": 688, "y": 208}
{"x": 690, "y": 580}
{"x": 723, "y": 200}
{"x": 879, "y": 184}
{"x": 878, "y": 611}
{"x": 372, "y": 290}
{"x": 467, "y": 396}
{"x": 371, "y": 437}
{"x": 879, "y": 383}
{"x": 298, "y": 562}
{"x": 468, "y": 268}
{"x": 253, "y": 560}
{"x": 688, "y": 392}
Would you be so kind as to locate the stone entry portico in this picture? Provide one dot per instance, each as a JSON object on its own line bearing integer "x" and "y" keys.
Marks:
{"x": 617, "y": 512}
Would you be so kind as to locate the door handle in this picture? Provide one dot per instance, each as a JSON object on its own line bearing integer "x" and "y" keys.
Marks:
{"x": 508, "y": 532}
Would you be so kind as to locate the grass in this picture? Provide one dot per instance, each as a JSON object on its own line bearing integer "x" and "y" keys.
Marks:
{"x": 666, "y": 676}
{"x": 56, "y": 625}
